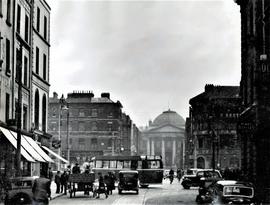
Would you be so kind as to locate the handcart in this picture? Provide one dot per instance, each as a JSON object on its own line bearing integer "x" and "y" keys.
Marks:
{"x": 81, "y": 182}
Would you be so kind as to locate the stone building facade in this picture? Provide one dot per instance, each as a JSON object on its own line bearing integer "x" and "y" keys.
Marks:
{"x": 211, "y": 140}
{"x": 165, "y": 136}
{"x": 19, "y": 82}
{"x": 96, "y": 126}
{"x": 254, "y": 123}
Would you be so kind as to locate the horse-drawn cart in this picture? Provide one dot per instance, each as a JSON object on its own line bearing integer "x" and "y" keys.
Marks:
{"x": 81, "y": 182}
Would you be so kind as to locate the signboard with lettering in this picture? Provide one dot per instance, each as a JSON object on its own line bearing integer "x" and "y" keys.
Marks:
{"x": 245, "y": 127}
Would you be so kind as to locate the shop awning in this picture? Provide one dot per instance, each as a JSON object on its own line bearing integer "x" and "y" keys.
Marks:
{"x": 56, "y": 155}
{"x": 38, "y": 149}
{"x": 28, "y": 148}
{"x": 13, "y": 141}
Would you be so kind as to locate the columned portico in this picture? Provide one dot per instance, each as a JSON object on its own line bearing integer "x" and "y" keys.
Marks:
{"x": 164, "y": 136}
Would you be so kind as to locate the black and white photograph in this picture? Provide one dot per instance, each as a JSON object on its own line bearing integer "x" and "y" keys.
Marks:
{"x": 140, "y": 102}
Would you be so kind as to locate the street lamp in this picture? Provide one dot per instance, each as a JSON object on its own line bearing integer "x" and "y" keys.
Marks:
{"x": 66, "y": 108}
{"x": 61, "y": 105}
{"x": 212, "y": 135}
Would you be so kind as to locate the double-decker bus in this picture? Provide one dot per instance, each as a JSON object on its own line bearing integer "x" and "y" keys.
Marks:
{"x": 150, "y": 168}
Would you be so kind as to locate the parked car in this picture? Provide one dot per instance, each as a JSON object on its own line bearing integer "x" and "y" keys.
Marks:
{"x": 200, "y": 176}
{"x": 19, "y": 191}
{"x": 128, "y": 181}
{"x": 229, "y": 192}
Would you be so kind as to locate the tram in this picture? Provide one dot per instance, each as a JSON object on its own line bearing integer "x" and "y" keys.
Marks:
{"x": 149, "y": 167}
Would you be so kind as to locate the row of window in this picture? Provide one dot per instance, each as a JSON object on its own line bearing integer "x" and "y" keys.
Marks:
{"x": 45, "y": 24}
{"x": 224, "y": 142}
{"x": 44, "y": 64}
{"x": 24, "y": 111}
{"x": 84, "y": 113}
{"x": 81, "y": 126}
{"x": 8, "y": 11}
{"x": 26, "y": 24}
{"x": 23, "y": 62}
{"x": 85, "y": 144}
{"x": 217, "y": 126}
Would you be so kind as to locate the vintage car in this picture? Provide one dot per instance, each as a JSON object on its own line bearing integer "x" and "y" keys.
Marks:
{"x": 128, "y": 181}
{"x": 195, "y": 179}
{"x": 19, "y": 191}
{"x": 229, "y": 192}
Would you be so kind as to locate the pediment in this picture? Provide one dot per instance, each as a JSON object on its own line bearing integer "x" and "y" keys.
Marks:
{"x": 166, "y": 128}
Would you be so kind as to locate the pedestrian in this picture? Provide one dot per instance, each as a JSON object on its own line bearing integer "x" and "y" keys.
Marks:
{"x": 57, "y": 180}
{"x": 101, "y": 186}
{"x": 179, "y": 174}
{"x": 171, "y": 175}
{"x": 50, "y": 174}
{"x": 68, "y": 170}
{"x": 111, "y": 184}
{"x": 107, "y": 182}
{"x": 41, "y": 190}
{"x": 64, "y": 181}
{"x": 76, "y": 169}
{"x": 87, "y": 186}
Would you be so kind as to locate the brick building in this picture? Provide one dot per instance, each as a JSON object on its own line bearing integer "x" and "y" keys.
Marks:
{"x": 96, "y": 126}
{"x": 254, "y": 123}
{"x": 211, "y": 137}
{"x": 24, "y": 86}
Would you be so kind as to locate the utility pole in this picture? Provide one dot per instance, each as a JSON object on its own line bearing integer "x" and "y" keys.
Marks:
{"x": 19, "y": 110}
{"x": 212, "y": 136}
{"x": 68, "y": 148}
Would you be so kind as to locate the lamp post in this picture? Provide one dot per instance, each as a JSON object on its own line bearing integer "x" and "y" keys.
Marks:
{"x": 66, "y": 108}
{"x": 212, "y": 135}
{"x": 61, "y": 104}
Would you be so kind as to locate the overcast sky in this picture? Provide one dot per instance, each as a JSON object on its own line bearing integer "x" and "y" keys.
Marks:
{"x": 150, "y": 55}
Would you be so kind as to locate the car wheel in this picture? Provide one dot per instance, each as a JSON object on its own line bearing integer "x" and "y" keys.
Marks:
{"x": 186, "y": 187}
{"x": 119, "y": 191}
{"x": 20, "y": 199}
{"x": 137, "y": 191}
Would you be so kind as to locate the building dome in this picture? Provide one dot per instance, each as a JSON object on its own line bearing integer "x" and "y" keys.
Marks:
{"x": 169, "y": 117}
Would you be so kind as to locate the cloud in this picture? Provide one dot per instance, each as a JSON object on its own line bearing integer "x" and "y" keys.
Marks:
{"x": 148, "y": 54}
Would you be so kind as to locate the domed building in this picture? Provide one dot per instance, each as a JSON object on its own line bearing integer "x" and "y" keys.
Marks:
{"x": 165, "y": 136}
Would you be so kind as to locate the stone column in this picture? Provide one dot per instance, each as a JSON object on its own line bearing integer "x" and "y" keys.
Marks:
{"x": 163, "y": 151}
{"x": 153, "y": 147}
{"x": 183, "y": 152}
{"x": 173, "y": 152}
{"x": 148, "y": 146}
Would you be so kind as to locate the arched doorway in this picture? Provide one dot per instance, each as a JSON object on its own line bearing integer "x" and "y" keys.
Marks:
{"x": 200, "y": 163}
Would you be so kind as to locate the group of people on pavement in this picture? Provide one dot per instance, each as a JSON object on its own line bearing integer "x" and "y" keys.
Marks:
{"x": 61, "y": 181}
